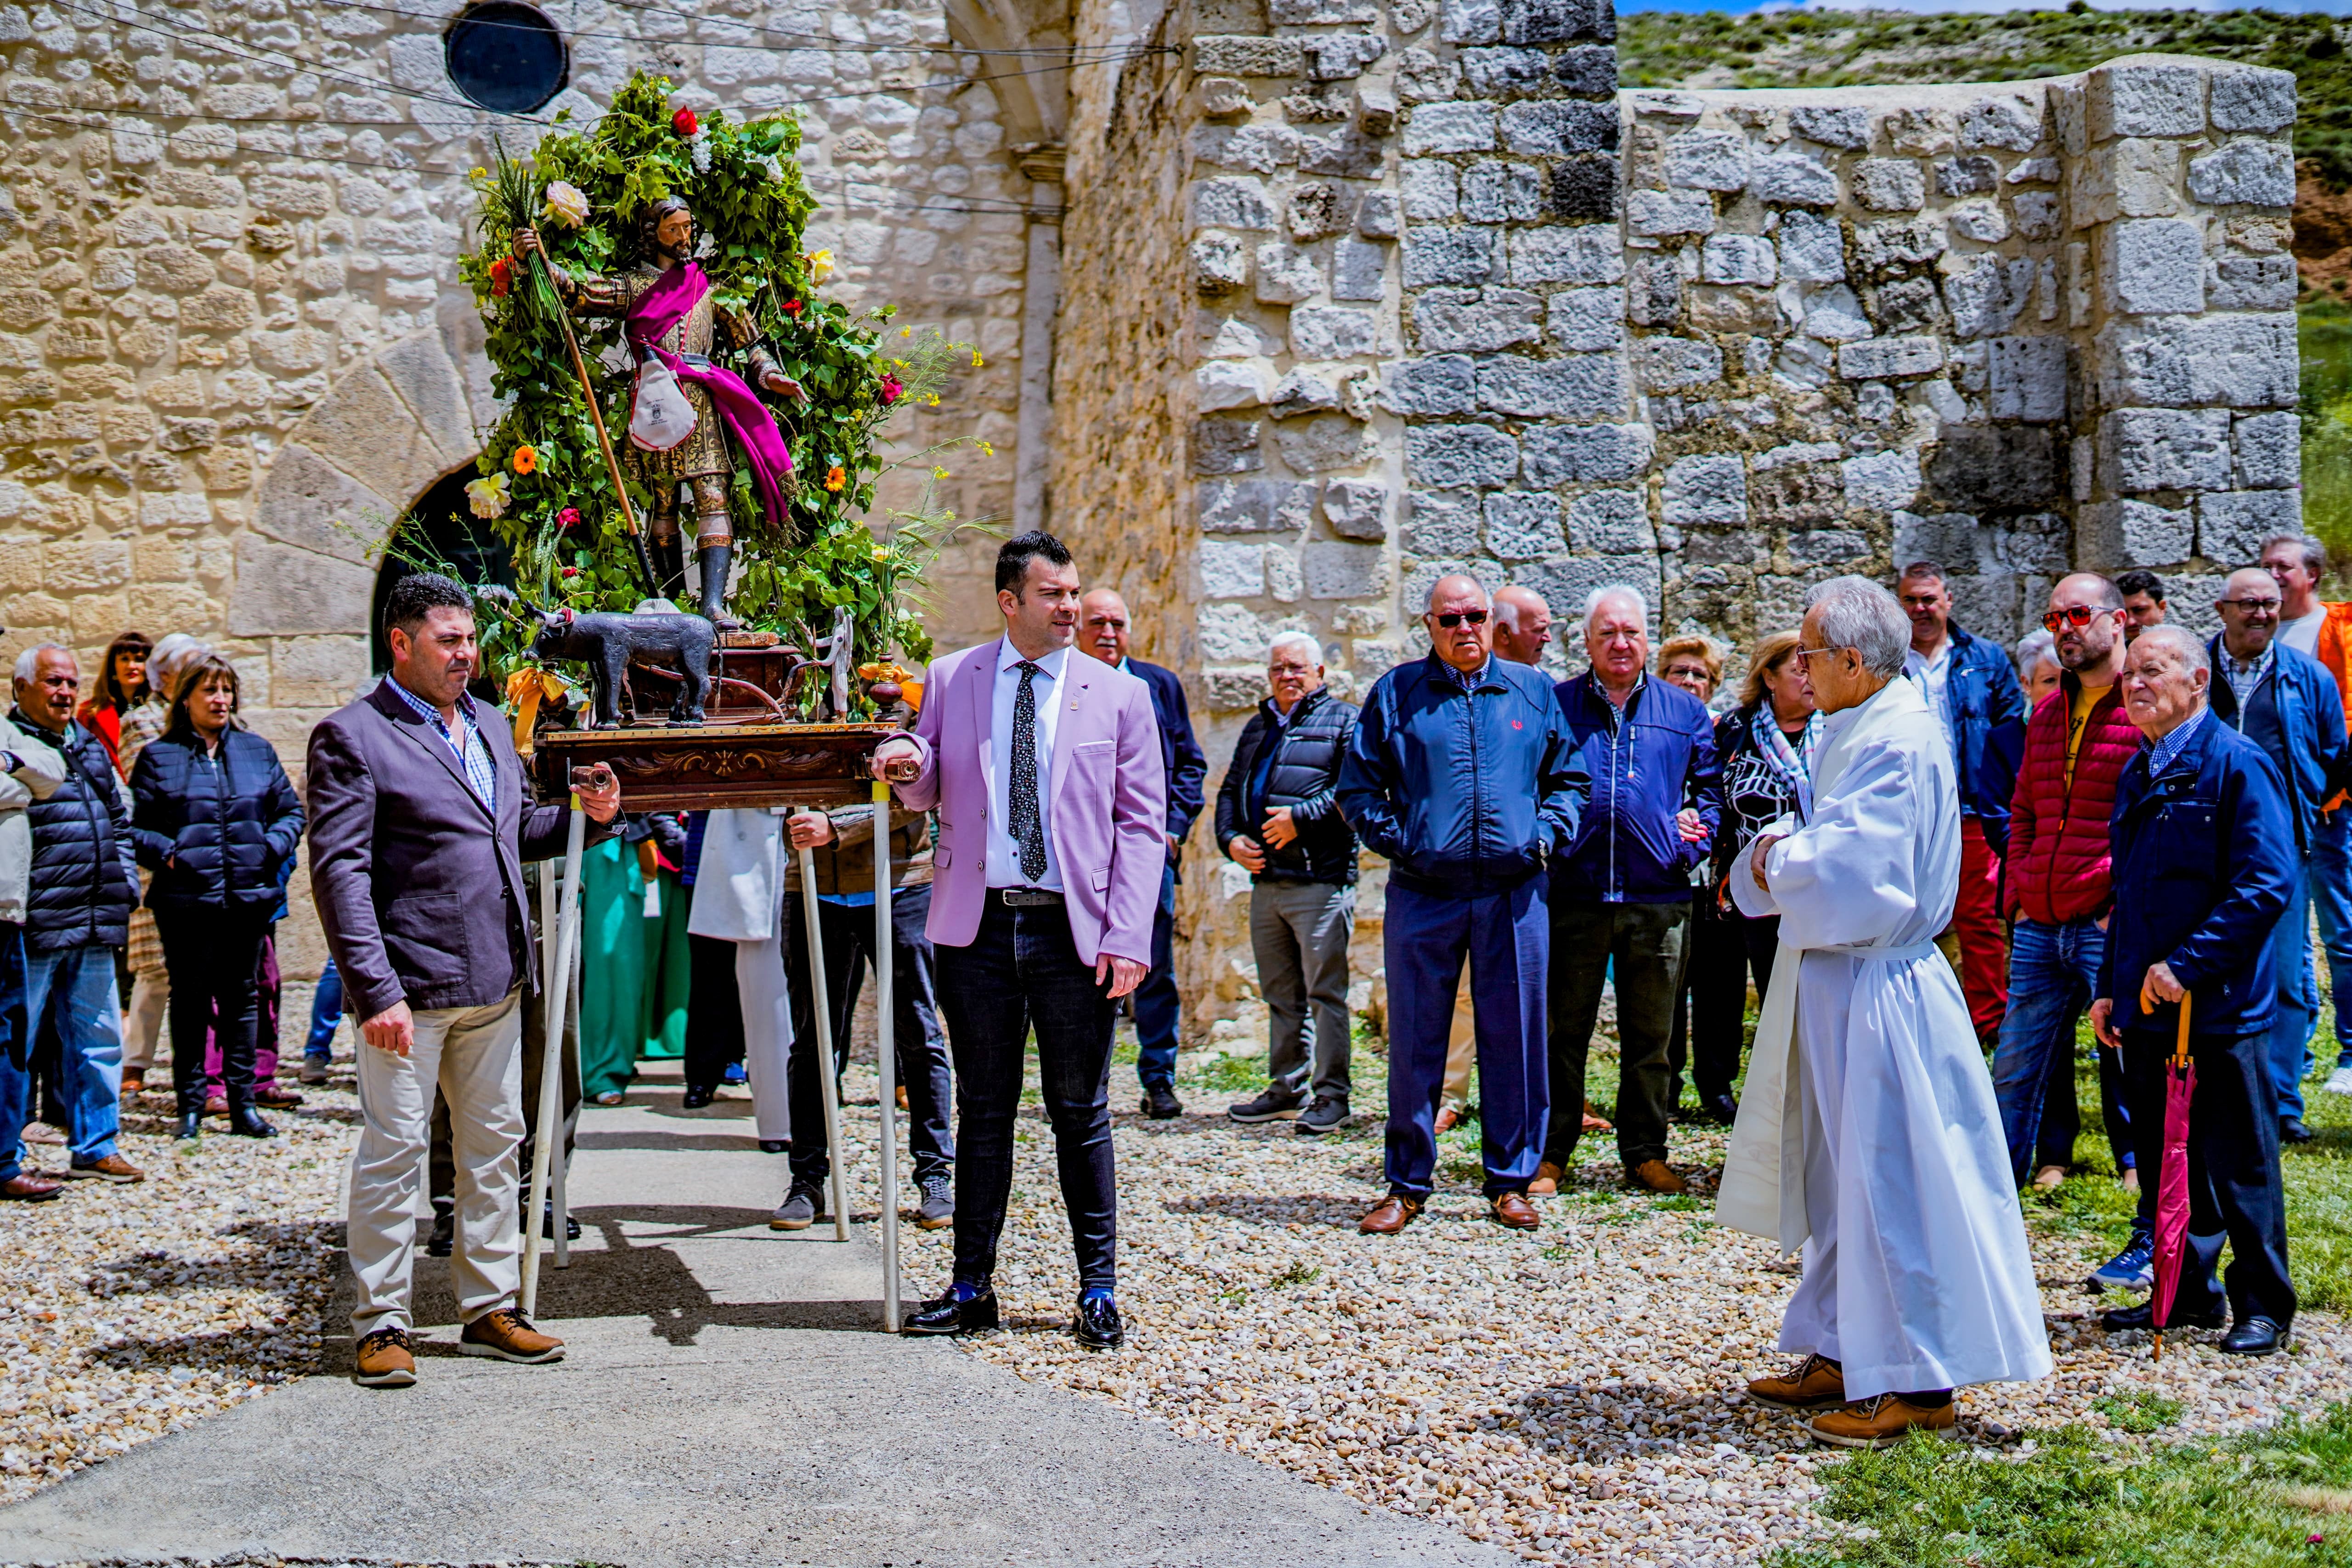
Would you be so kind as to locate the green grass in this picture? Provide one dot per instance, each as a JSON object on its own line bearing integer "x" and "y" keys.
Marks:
{"x": 2140, "y": 1410}
{"x": 2086, "y": 1502}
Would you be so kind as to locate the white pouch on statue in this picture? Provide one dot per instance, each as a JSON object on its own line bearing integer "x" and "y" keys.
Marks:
{"x": 659, "y": 416}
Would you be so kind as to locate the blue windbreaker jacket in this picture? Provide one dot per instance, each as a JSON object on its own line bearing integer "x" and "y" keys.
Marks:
{"x": 1643, "y": 766}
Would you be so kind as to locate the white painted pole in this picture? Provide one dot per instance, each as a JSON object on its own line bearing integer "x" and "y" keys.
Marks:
{"x": 551, "y": 1054}
{"x": 885, "y": 1051}
{"x": 823, "y": 1005}
{"x": 547, "y": 1146}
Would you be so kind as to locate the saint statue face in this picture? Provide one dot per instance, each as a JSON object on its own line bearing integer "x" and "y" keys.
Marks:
{"x": 674, "y": 235}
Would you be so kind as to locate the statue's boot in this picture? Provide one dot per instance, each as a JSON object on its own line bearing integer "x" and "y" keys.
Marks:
{"x": 715, "y": 560}
{"x": 669, "y": 568}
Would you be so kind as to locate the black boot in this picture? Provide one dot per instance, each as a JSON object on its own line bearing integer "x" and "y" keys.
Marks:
{"x": 669, "y": 568}
{"x": 246, "y": 1122}
{"x": 715, "y": 560}
{"x": 192, "y": 1123}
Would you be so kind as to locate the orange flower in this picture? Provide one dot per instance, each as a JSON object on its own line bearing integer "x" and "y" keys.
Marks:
{"x": 525, "y": 460}
{"x": 835, "y": 476}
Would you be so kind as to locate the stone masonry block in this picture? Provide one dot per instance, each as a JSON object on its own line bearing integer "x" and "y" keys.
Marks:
{"x": 1377, "y": 216}
{"x": 1470, "y": 21}
{"x": 1438, "y": 385}
{"x": 1580, "y": 387}
{"x": 1334, "y": 570}
{"x": 1320, "y": 13}
{"x": 1326, "y": 442}
{"x": 1479, "y": 320}
{"x": 1522, "y": 526}
{"x": 2232, "y": 524}
{"x": 1286, "y": 275}
{"x": 2028, "y": 379}
{"x": 1357, "y": 268}
{"x": 1495, "y": 191}
{"x": 1429, "y": 190}
{"x": 2154, "y": 267}
{"x": 1654, "y": 291}
{"x": 2244, "y": 362}
{"x": 1557, "y": 21}
{"x": 1584, "y": 189}
{"x": 1890, "y": 185}
{"x": 1984, "y": 294}
{"x": 2269, "y": 448}
{"x": 1449, "y": 128}
{"x": 1675, "y": 365}
{"x": 1228, "y": 383}
{"x": 1791, "y": 180}
{"x": 1456, "y": 256}
{"x": 2244, "y": 173}
{"x": 1584, "y": 453}
{"x": 1501, "y": 73}
{"x": 1231, "y": 202}
{"x": 1588, "y": 320}
{"x": 2165, "y": 449}
{"x": 1590, "y": 253}
{"x": 1219, "y": 263}
{"x": 1709, "y": 490}
{"x": 281, "y": 590}
{"x": 1357, "y": 508}
{"x": 1242, "y": 56}
{"x": 1231, "y": 570}
{"x": 1883, "y": 481}
{"x": 1254, "y": 506}
{"x": 1589, "y": 70}
{"x": 1231, "y": 633}
{"x": 1876, "y": 359}
{"x": 1974, "y": 175}
{"x": 308, "y": 501}
{"x": 2249, "y": 98}
{"x": 1558, "y": 127}
{"x": 1442, "y": 525}
{"x": 1977, "y": 468}
{"x": 1738, "y": 258}
{"x": 1340, "y": 56}
{"x": 1331, "y": 331}
{"x": 1447, "y": 457}
{"x": 1300, "y": 393}
{"x": 2250, "y": 283}
{"x": 1225, "y": 446}
{"x": 1610, "y": 523}
{"x": 2009, "y": 122}
{"x": 2143, "y": 100}
{"x": 1812, "y": 248}
{"x": 1842, "y": 126}
{"x": 1566, "y": 582}
{"x": 1655, "y": 212}
{"x": 1881, "y": 247}
{"x": 1707, "y": 160}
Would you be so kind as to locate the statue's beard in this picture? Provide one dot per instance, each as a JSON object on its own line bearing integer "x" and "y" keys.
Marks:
{"x": 674, "y": 253}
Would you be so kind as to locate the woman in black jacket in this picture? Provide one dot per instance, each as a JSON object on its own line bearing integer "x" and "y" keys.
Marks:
{"x": 215, "y": 817}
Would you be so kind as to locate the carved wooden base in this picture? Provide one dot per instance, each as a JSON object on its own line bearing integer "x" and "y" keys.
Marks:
{"x": 716, "y": 765}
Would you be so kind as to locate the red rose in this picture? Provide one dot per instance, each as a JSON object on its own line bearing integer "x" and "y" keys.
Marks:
{"x": 890, "y": 389}
{"x": 568, "y": 518}
{"x": 571, "y": 571}
{"x": 792, "y": 307}
{"x": 501, "y": 277}
{"x": 684, "y": 122}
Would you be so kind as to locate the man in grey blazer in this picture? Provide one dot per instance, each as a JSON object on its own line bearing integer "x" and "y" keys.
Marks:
{"x": 418, "y": 833}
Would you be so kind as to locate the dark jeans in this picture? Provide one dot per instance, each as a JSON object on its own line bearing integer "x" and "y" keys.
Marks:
{"x": 326, "y": 1012}
{"x": 714, "y": 1011}
{"x": 1022, "y": 972}
{"x": 2234, "y": 1191}
{"x": 922, "y": 1060}
{"x": 15, "y": 1089}
{"x": 1646, "y": 944}
{"x": 213, "y": 958}
{"x": 2052, "y": 972}
{"x": 1155, "y": 1000}
{"x": 1726, "y": 948}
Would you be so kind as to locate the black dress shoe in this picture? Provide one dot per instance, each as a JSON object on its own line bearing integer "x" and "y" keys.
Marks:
{"x": 2121, "y": 1319}
{"x": 2256, "y": 1336}
{"x": 947, "y": 1315}
{"x": 247, "y": 1122}
{"x": 1722, "y": 1110}
{"x": 1160, "y": 1102}
{"x": 696, "y": 1097}
{"x": 2292, "y": 1131}
{"x": 1097, "y": 1325}
{"x": 443, "y": 1239}
{"x": 547, "y": 1224}
{"x": 192, "y": 1124}
{"x": 775, "y": 1145}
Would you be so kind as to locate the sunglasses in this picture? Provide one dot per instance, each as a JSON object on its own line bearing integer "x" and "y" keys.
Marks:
{"x": 2078, "y": 616}
{"x": 1453, "y": 618}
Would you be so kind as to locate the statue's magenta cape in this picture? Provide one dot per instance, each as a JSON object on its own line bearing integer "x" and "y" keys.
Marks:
{"x": 739, "y": 408}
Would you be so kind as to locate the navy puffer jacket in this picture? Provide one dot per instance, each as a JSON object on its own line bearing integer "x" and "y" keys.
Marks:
{"x": 214, "y": 828}
{"x": 84, "y": 878}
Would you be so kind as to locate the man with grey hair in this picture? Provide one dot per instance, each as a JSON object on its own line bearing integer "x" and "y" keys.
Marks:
{"x": 1279, "y": 818}
{"x": 30, "y": 770}
{"x": 1868, "y": 1135}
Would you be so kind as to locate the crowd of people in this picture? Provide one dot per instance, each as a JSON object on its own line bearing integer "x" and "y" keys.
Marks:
{"x": 1551, "y": 845}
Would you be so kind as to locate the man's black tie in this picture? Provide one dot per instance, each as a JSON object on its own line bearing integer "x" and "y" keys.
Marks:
{"x": 1028, "y": 831}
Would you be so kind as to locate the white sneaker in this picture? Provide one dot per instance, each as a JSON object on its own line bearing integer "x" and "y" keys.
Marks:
{"x": 2340, "y": 1081}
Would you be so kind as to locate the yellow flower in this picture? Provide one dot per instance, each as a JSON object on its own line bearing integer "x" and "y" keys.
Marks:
{"x": 935, "y": 400}
{"x": 881, "y": 553}
{"x": 835, "y": 476}
{"x": 525, "y": 460}
{"x": 975, "y": 359}
{"x": 986, "y": 450}
{"x": 939, "y": 473}
{"x": 906, "y": 332}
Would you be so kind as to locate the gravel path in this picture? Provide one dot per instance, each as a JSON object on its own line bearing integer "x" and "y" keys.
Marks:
{"x": 136, "y": 1310}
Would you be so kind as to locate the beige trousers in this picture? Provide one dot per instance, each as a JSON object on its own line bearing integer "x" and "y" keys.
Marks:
{"x": 143, "y": 1022}
{"x": 475, "y": 1055}
{"x": 1461, "y": 1049}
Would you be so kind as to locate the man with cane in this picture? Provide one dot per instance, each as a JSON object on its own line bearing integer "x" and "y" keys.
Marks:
{"x": 2204, "y": 862}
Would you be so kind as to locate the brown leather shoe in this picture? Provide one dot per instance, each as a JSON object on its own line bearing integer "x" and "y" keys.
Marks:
{"x": 1815, "y": 1385}
{"x": 1596, "y": 1122}
{"x": 1447, "y": 1118}
{"x": 1658, "y": 1176}
{"x": 506, "y": 1334}
{"x": 384, "y": 1360}
{"x": 1390, "y": 1216}
{"x": 1881, "y": 1422}
{"x": 275, "y": 1097}
{"x": 1547, "y": 1181}
{"x": 113, "y": 1169}
{"x": 134, "y": 1079}
{"x": 217, "y": 1105}
{"x": 29, "y": 1188}
{"x": 1513, "y": 1210}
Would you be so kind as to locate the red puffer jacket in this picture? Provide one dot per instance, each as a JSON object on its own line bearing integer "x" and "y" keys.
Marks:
{"x": 2056, "y": 870}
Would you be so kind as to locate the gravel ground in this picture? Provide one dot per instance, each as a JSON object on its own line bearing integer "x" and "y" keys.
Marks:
{"x": 132, "y": 1312}
{"x": 1573, "y": 1393}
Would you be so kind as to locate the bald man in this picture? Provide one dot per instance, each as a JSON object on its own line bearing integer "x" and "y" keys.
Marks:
{"x": 1104, "y": 629}
{"x": 1522, "y": 626}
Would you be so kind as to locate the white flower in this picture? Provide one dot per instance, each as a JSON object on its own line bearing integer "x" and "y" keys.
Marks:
{"x": 700, "y": 143}
{"x": 488, "y": 497}
{"x": 820, "y": 265}
{"x": 567, "y": 203}
{"x": 770, "y": 165}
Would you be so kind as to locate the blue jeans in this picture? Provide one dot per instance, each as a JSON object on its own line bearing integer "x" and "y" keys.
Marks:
{"x": 16, "y": 1045}
{"x": 1507, "y": 938}
{"x": 73, "y": 989}
{"x": 2052, "y": 971}
{"x": 1155, "y": 999}
{"x": 2291, "y": 1029}
{"x": 2331, "y": 898}
{"x": 325, "y": 1010}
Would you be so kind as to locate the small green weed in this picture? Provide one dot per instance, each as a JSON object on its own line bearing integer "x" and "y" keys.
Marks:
{"x": 2140, "y": 1410}
{"x": 1297, "y": 1274}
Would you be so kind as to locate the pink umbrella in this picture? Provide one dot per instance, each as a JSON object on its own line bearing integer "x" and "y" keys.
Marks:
{"x": 2172, "y": 1180}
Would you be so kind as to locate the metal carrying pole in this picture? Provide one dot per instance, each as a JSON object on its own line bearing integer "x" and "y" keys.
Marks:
{"x": 551, "y": 1061}
{"x": 824, "y": 1008}
{"x": 885, "y": 1051}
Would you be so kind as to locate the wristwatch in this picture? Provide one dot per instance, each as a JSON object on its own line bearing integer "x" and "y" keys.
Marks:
{"x": 10, "y": 762}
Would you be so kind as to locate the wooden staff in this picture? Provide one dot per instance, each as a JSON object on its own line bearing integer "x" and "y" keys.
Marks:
{"x": 596, "y": 414}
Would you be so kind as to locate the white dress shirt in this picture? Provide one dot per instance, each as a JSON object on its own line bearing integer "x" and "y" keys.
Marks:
{"x": 1047, "y": 687}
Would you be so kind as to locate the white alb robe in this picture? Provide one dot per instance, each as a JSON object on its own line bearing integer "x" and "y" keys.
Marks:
{"x": 1868, "y": 1134}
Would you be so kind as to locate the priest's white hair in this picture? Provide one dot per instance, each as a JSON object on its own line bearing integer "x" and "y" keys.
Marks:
{"x": 2182, "y": 641}
{"x": 1857, "y": 613}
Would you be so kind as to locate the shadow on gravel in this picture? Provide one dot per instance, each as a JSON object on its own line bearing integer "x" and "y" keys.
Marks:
{"x": 1283, "y": 1210}
{"x": 1588, "y": 1422}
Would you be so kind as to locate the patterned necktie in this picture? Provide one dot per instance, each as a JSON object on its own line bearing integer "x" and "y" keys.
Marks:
{"x": 1028, "y": 831}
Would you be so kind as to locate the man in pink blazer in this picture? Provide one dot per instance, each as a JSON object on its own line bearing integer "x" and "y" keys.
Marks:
{"x": 1052, "y": 798}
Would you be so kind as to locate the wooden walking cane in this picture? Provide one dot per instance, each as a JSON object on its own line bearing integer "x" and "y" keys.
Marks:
{"x": 604, "y": 441}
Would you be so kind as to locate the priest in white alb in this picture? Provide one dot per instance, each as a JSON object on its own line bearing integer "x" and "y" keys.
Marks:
{"x": 1868, "y": 1135}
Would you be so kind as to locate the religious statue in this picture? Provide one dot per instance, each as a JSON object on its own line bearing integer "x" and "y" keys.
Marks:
{"x": 691, "y": 418}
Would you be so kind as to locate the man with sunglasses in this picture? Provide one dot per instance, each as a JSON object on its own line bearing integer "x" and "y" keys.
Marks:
{"x": 2287, "y": 704}
{"x": 1459, "y": 773}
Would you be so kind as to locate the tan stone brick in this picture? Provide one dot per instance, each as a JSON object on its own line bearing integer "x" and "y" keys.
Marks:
{"x": 35, "y": 609}
{"x": 98, "y": 381}
{"x": 163, "y": 607}
{"x": 20, "y": 563}
{"x": 80, "y": 566}
{"x": 129, "y": 425}
{"x": 161, "y": 558}
{"x": 76, "y": 338}
{"x": 67, "y": 509}
{"x": 22, "y": 309}
{"x": 227, "y": 466}
{"x": 99, "y": 618}
{"x": 142, "y": 342}
{"x": 175, "y": 268}
{"x": 184, "y": 389}
{"x": 219, "y": 308}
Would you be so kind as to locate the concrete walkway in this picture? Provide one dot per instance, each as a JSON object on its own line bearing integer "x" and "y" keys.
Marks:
{"x": 727, "y": 1398}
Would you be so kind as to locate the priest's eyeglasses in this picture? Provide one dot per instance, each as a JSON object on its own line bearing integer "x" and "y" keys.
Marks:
{"x": 1452, "y": 618}
{"x": 2076, "y": 616}
{"x": 1810, "y": 652}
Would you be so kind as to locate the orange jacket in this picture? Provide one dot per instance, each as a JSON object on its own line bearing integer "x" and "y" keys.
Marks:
{"x": 2334, "y": 635}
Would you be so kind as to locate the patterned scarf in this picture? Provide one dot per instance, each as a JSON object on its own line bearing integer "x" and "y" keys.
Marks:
{"x": 1794, "y": 763}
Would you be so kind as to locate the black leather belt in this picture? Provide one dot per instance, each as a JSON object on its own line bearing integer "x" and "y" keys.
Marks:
{"x": 1025, "y": 898}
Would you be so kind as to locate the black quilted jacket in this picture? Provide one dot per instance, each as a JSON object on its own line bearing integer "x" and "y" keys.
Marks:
{"x": 84, "y": 880}
{"x": 1302, "y": 774}
{"x": 214, "y": 829}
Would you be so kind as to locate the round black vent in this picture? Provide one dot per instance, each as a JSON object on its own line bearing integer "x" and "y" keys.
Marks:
{"x": 506, "y": 56}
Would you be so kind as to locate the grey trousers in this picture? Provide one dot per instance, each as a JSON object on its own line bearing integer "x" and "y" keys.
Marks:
{"x": 1300, "y": 932}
